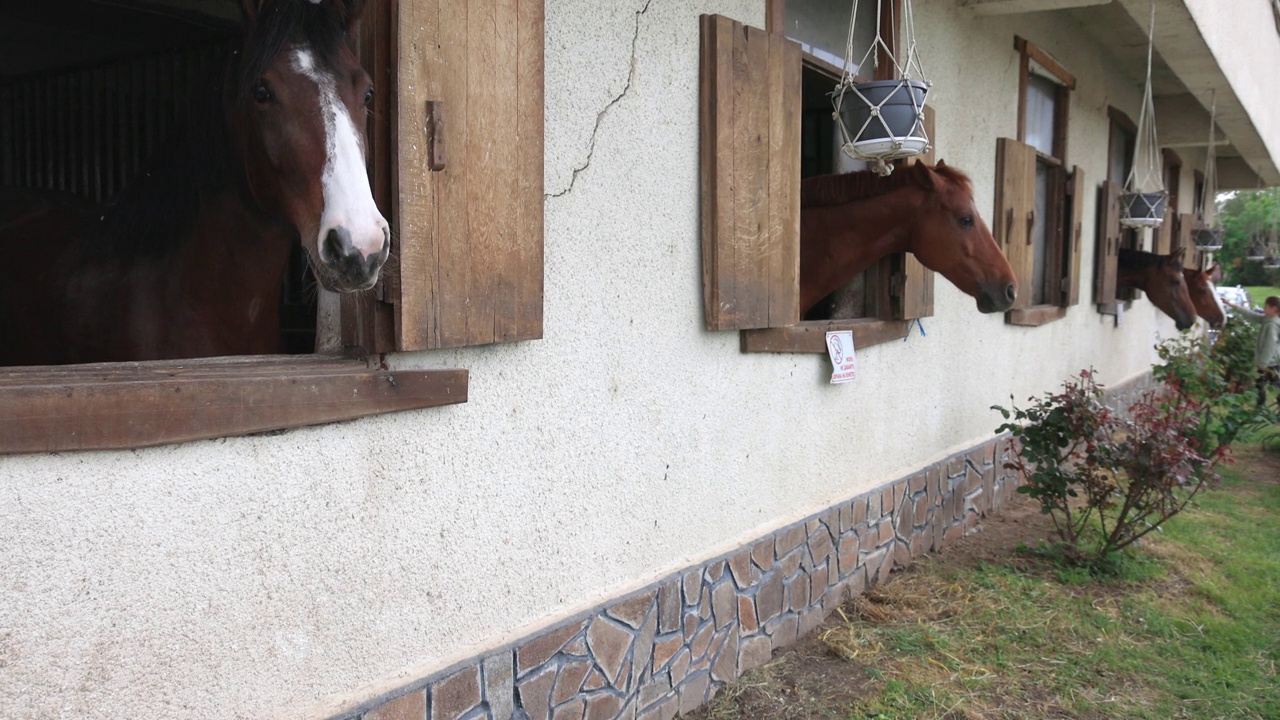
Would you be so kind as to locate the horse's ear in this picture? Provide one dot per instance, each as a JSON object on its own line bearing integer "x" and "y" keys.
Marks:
{"x": 1176, "y": 257}
{"x": 250, "y": 8}
{"x": 923, "y": 175}
{"x": 1215, "y": 273}
{"x": 940, "y": 164}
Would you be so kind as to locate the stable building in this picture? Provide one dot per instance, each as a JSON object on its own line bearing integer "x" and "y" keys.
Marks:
{"x": 578, "y": 454}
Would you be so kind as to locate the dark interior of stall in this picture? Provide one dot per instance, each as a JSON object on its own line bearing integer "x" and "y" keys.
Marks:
{"x": 89, "y": 89}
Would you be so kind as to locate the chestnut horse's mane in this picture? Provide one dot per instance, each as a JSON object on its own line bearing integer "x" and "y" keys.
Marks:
{"x": 1140, "y": 259}
{"x": 851, "y": 187}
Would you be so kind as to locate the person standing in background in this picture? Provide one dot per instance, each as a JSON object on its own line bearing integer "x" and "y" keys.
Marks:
{"x": 1267, "y": 354}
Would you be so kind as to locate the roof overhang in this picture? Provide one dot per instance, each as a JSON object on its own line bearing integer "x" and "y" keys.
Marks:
{"x": 1191, "y": 63}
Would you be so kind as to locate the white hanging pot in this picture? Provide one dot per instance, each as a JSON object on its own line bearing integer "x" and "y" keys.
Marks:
{"x": 1271, "y": 263}
{"x": 1143, "y": 210}
{"x": 1256, "y": 253}
{"x": 884, "y": 119}
{"x": 1208, "y": 239}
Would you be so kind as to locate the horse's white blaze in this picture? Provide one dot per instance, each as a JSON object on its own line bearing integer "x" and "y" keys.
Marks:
{"x": 348, "y": 200}
{"x": 1213, "y": 289}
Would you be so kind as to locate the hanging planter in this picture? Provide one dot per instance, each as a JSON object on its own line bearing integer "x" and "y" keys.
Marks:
{"x": 1271, "y": 263}
{"x": 1209, "y": 239}
{"x": 883, "y": 120}
{"x": 1143, "y": 209}
{"x": 1144, "y": 199}
{"x": 889, "y": 118}
{"x": 1256, "y": 252}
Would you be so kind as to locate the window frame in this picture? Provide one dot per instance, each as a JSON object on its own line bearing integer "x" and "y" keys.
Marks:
{"x": 139, "y": 404}
{"x": 1060, "y": 189}
{"x": 1106, "y": 259}
{"x": 887, "y": 278}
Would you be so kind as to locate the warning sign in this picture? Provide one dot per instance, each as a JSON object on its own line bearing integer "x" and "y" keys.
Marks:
{"x": 844, "y": 364}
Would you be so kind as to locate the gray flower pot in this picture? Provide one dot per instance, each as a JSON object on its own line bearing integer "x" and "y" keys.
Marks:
{"x": 888, "y": 103}
{"x": 1143, "y": 209}
{"x": 1209, "y": 239}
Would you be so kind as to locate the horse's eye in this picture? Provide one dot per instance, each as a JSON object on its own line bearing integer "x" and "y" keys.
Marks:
{"x": 966, "y": 221}
{"x": 368, "y": 96}
{"x": 261, "y": 93}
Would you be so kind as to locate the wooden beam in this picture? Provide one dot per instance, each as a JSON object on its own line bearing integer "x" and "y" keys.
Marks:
{"x": 1034, "y": 52}
{"x": 811, "y": 336}
{"x": 1037, "y": 315}
{"x": 1007, "y": 7}
{"x": 130, "y": 405}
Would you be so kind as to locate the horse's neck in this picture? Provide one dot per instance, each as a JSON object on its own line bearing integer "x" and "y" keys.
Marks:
{"x": 1131, "y": 277}
{"x": 234, "y": 256}
{"x": 838, "y": 242}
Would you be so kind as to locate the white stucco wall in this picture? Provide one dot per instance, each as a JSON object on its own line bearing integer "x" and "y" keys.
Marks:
{"x": 1240, "y": 35}
{"x": 282, "y": 575}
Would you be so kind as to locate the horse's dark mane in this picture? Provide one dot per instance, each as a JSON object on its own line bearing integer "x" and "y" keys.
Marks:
{"x": 851, "y": 187}
{"x": 154, "y": 212}
{"x": 1140, "y": 259}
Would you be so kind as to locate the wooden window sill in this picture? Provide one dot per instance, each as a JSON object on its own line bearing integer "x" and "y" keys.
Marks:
{"x": 130, "y": 405}
{"x": 811, "y": 336}
{"x": 1036, "y": 315}
{"x": 1113, "y": 308}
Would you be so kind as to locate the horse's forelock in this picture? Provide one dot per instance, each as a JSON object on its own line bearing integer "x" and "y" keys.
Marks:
{"x": 322, "y": 26}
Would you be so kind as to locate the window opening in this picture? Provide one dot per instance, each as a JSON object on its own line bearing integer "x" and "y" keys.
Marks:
{"x": 93, "y": 91}
{"x": 821, "y": 27}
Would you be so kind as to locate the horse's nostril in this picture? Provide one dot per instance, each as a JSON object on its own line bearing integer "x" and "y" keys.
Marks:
{"x": 337, "y": 245}
{"x": 1011, "y": 292}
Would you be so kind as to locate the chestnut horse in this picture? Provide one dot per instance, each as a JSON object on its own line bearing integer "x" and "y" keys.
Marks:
{"x": 849, "y": 221}
{"x": 189, "y": 260}
{"x": 1204, "y": 295}
{"x": 1161, "y": 278}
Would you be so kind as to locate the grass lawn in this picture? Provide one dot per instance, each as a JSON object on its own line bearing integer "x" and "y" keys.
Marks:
{"x": 1259, "y": 294}
{"x": 1190, "y": 628}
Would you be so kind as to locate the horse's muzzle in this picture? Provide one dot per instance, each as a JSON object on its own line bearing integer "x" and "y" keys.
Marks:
{"x": 343, "y": 267}
{"x": 994, "y": 300}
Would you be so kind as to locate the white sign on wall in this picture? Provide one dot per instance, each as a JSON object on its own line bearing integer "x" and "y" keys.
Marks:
{"x": 844, "y": 364}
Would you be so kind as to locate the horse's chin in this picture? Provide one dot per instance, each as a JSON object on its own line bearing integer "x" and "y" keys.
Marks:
{"x": 335, "y": 283}
{"x": 988, "y": 306}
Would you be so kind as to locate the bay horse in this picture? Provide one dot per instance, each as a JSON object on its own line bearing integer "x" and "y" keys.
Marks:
{"x": 849, "y": 221}
{"x": 1204, "y": 294}
{"x": 1161, "y": 278}
{"x": 190, "y": 258}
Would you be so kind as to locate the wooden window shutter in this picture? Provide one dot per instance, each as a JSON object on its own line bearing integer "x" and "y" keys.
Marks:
{"x": 915, "y": 293}
{"x": 750, "y": 175}
{"x": 1163, "y": 236}
{"x": 470, "y": 205}
{"x": 1185, "y": 233}
{"x": 1014, "y": 213}
{"x": 914, "y": 290}
{"x": 1109, "y": 238}
{"x": 1075, "y": 238}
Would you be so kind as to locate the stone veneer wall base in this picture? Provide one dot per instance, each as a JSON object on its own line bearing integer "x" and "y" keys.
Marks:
{"x": 668, "y": 648}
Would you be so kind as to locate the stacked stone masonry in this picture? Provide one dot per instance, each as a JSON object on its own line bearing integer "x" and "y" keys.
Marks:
{"x": 669, "y": 648}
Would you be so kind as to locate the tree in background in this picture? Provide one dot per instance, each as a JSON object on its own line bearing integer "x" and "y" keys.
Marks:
{"x": 1249, "y": 217}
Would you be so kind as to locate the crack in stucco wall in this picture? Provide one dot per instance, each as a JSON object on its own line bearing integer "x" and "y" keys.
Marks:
{"x": 591, "y": 146}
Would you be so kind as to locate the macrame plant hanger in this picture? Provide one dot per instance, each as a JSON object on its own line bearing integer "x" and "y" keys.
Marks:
{"x": 882, "y": 121}
{"x": 1145, "y": 198}
{"x": 1209, "y": 237}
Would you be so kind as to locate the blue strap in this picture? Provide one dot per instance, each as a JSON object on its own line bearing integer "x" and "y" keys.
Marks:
{"x": 915, "y": 323}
